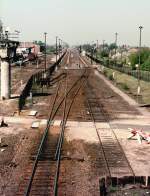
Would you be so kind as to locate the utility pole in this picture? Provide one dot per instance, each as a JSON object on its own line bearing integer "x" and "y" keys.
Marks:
{"x": 116, "y": 39}
{"x": 139, "y": 65}
{"x": 96, "y": 48}
{"x": 103, "y": 51}
{"x": 59, "y": 47}
{"x": 56, "y": 47}
{"x": 45, "y": 34}
{"x": 103, "y": 44}
{"x": 91, "y": 54}
{"x": 97, "y": 44}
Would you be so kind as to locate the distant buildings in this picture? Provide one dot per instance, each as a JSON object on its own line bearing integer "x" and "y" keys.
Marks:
{"x": 28, "y": 47}
{"x": 122, "y": 54}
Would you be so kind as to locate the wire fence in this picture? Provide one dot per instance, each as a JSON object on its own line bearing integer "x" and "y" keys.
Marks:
{"x": 36, "y": 78}
{"x": 143, "y": 75}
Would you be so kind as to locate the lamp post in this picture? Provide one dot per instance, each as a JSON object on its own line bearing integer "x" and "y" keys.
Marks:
{"x": 97, "y": 49}
{"x": 140, "y": 41}
{"x": 45, "y": 34}
{"x": 103, "y": 44}
{"x": 103, "y": 58}
{"x": 116, "y": 39}
{"x": 56, "y": 47}
{"x": 59, "y": 47}
{"x": 92, "y": 54}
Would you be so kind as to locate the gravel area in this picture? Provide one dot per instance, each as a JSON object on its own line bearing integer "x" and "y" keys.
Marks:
{"x": 16, "y": 144}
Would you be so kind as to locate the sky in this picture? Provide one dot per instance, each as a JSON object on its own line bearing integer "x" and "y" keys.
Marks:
{"x": 78, "y": 21}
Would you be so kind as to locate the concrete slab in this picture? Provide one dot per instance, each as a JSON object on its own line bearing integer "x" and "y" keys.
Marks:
{"x": 32, "y": 113}
{"x": 35, "y": 124}
{"x": 86, "y": 124}
{"x": 57, "y": 123}
{"x": 72, "y": 123}
{"x": 132, "y": 122}
{"x": 18, "y": 120}
{"x": 43, "y": 122}
{"x": 102, "y": 125}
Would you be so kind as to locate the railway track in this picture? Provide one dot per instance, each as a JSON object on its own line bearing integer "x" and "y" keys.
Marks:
{"x": 117, "y": 169}
{"x": 42, "y": 175}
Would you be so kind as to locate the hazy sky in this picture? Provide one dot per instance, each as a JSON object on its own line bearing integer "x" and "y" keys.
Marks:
{"x": 78, "y": 21}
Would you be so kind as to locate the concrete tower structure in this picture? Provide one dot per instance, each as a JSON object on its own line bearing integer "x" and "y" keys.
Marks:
{"x": 7, "y": 51}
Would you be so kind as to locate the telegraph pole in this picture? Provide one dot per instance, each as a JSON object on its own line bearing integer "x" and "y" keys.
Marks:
{"x": 91, "y": 54}
{"x": 103, "y": 44}
{"x": 59, "y": 47}
{"x": 45, "y": 34}
{"x": 56, "y": 47}
{"x": 139, "y": 65}
{"x": 97, "y": 48}
{"x": 116, "y": 39}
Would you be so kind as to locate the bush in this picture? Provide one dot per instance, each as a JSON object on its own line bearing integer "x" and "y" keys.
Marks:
{"x": 111, "y": 77}
{"x": 125, "y": 86}
{"x": 105, "y": 72}
{"x": 145, "y": 59}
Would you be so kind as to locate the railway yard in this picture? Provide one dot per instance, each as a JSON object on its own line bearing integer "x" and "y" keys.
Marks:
{"x": 76, "y": 142}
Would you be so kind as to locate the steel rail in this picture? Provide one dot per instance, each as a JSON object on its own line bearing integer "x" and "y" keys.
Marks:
{"x": 107, "y": 120}
{"x": 58, "y": 152}
{"x": 41, "y": 146}
{"x": 100, "y": 141}
{"x": 52, "y": 115}
{"x": 65, "y": 103}
{"x": 124, "y": 155}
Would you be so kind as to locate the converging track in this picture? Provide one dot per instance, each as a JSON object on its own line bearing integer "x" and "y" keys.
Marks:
{"x": 43, "y": 174}
{"x": 46, "y": 174}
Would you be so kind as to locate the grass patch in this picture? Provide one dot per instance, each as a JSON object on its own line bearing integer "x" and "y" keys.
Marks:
{"x": 125, "y": 87}
{"x": 129, "y": 84}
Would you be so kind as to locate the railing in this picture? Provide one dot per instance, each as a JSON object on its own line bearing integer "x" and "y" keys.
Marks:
{"x": 41, "y": 75}
{"x": 143, "y": 75}
{"x": 24, "y": 94}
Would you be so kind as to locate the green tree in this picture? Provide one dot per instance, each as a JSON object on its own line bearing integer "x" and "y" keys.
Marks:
{"x": 134, "y": 59}
{"x": 112, "y": 46}
{"x": 104, "y": 53}
{"x": 145, "y": 59}
{"x": 146, "y": 65}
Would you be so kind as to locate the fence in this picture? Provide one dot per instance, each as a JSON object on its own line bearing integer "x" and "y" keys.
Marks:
{"x": 143, "y": 75}
{"x": 41, "y": 75}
